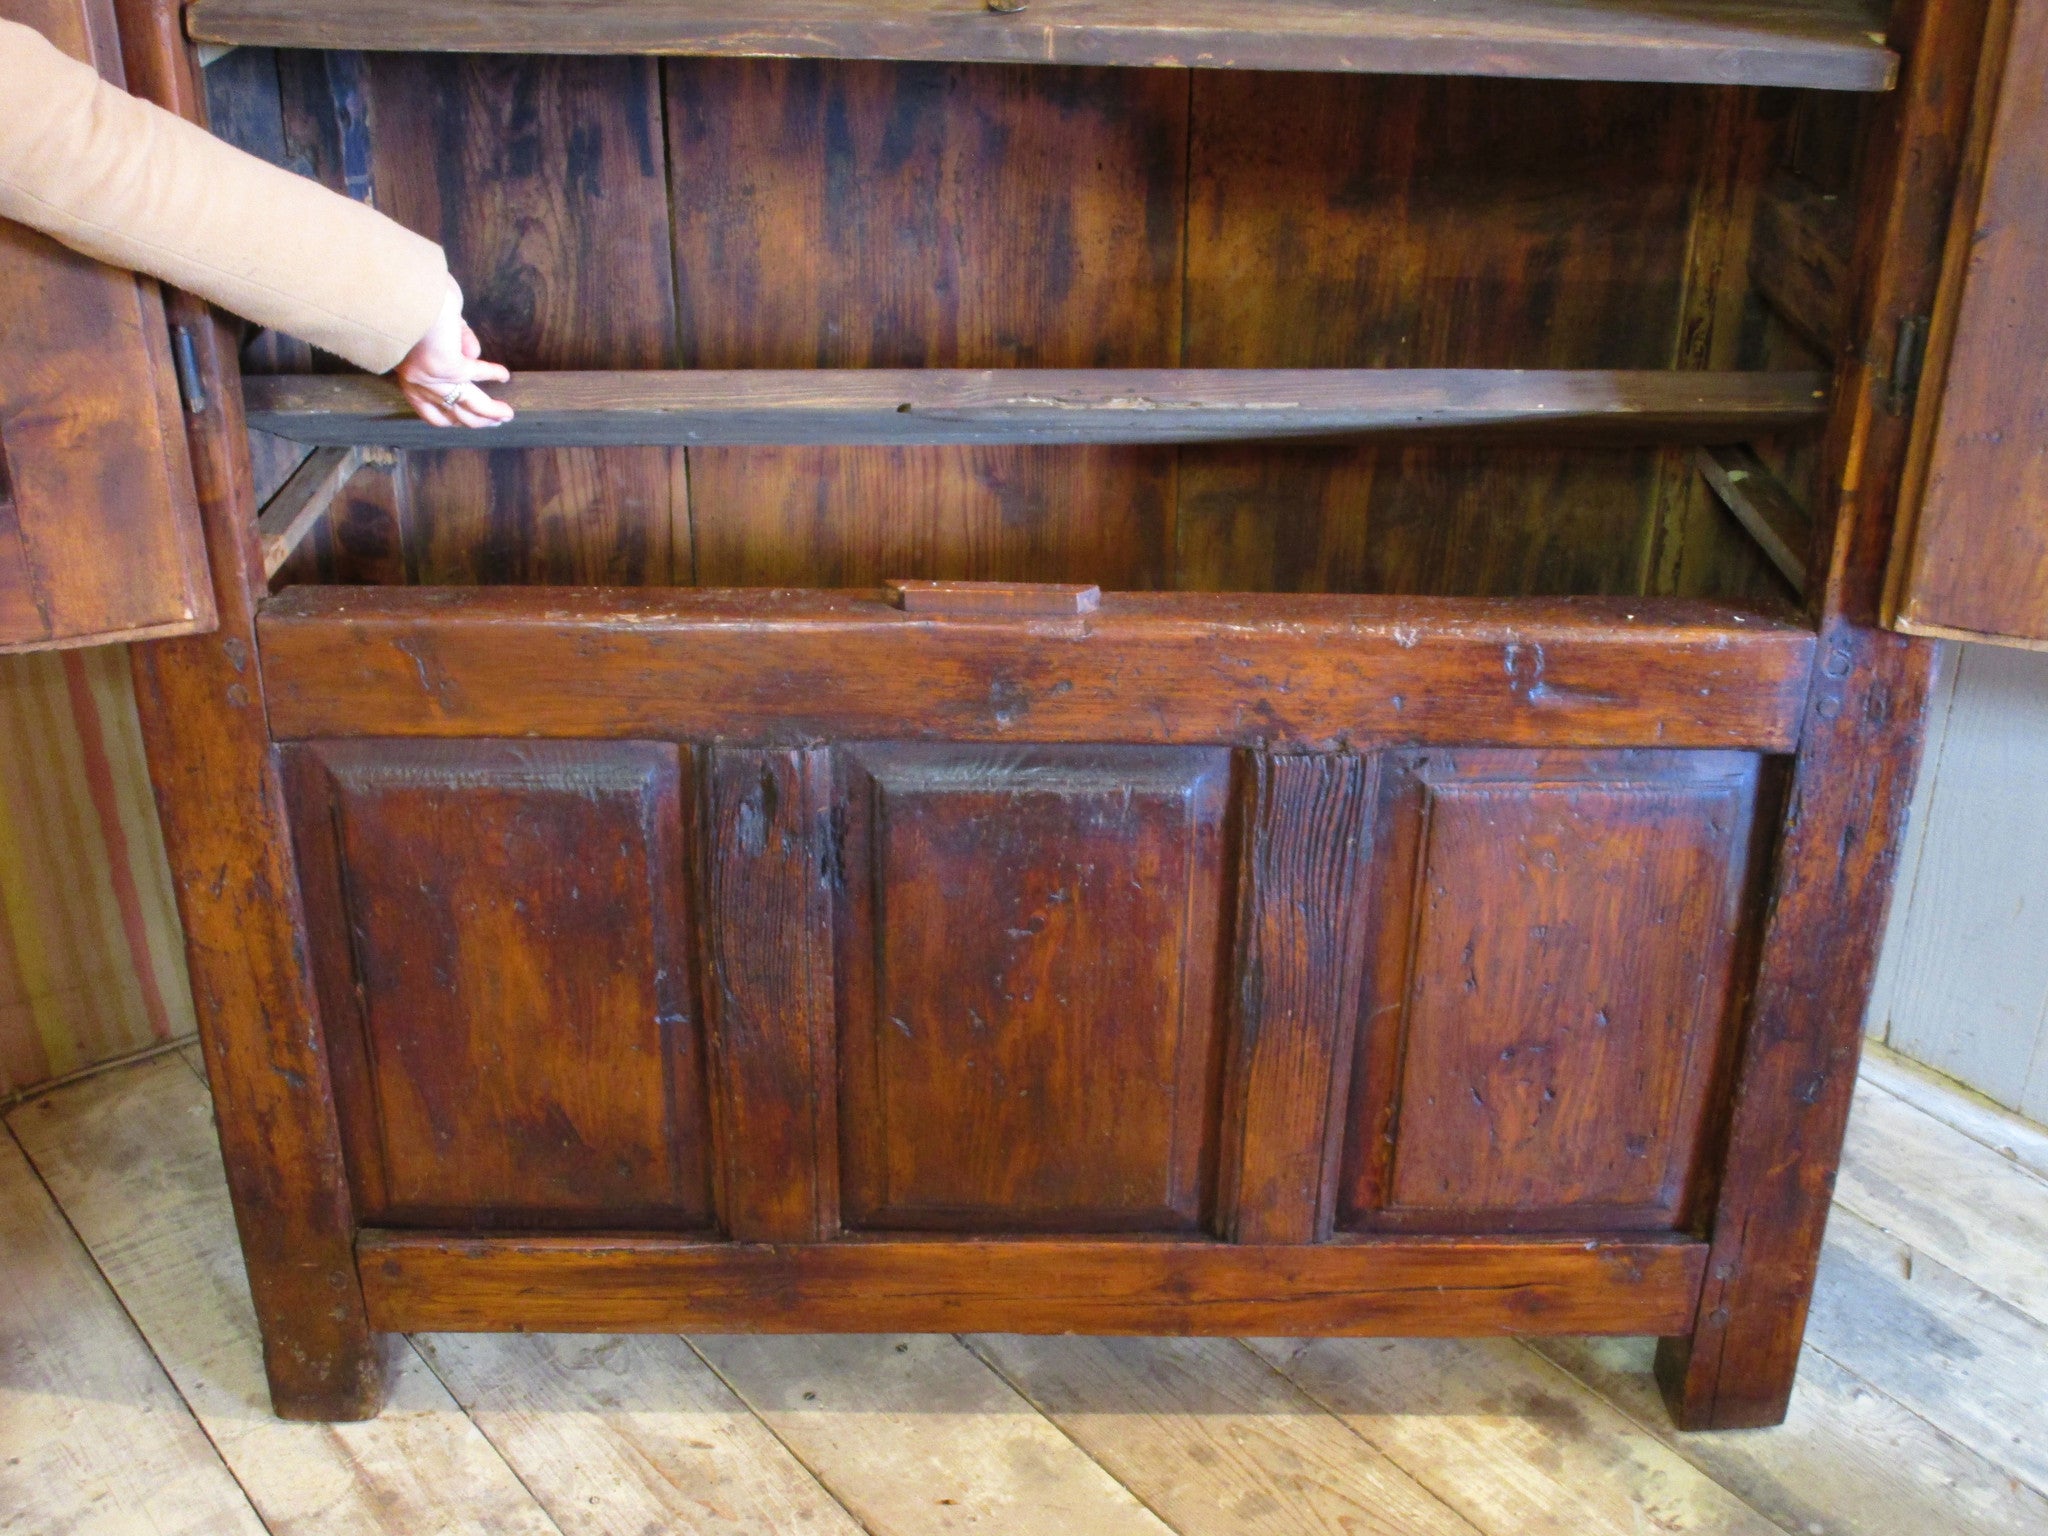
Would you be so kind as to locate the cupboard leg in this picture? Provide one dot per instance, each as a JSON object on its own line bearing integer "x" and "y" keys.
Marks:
{"x": 1798, "y": 1064}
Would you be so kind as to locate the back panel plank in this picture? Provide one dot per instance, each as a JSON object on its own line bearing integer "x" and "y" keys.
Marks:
{"x": 869, "y": 215}
{"x": 500, "y": 943}
{"x": 1404, "y": 223}
{"x": 1029, "y": 986}
{"x": 545, "y": 181}
{"x": 1554, "y": 986}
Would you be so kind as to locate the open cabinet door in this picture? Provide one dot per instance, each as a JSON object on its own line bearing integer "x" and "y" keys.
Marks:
{"x": 1971, "y": 559}
{"x": 99, "y": 522}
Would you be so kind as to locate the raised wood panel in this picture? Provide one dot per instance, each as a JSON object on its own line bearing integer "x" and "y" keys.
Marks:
{"x": 874, "y": 215}
{"x": 1552, "y": 988}
{"x": 545, "y": 179}
{"x": 1029, "y": 980}
{"x": 99, "y": 521}
{"x": 499, "y": 931}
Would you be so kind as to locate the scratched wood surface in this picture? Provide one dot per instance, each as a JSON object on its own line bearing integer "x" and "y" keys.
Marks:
{"x": 1911, "y": 1410}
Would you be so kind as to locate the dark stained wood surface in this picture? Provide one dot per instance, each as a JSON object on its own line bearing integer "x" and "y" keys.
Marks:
{"x": 1029, "y": 980}
{"x": 1799, "y": 258}
{"x": 1016, "y": 598}
{"x": 1289, "y": 672}
{"x": 1850, "y": 787}
{"x": 1975, "y": 552}
{"x": 501, "y": 937}
{"x": 766, "y": 932}
{"x": 99, "y": 525}
{"x": 1827, "y": 44}
{"x": 545, "y": 180}
{"x": 290, "y": 516}
{"x": 1561, "y": 929}
{"x": 1759, "y": 501}
{"x": 1397, "y": 1286}
{"x": 1306, "y": 845}
{"x": 1417, "y": 223}
{"x": 201, "y": 705}
{"x": 939, "y": 406}
{"x": 898, "y": 216}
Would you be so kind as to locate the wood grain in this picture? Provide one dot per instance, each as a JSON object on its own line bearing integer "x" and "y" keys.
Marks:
{"x": 1799, "y": 257}
{"x": 1396, "y": 223}
{"x": 545, "y": 181}
{"x": 301, "y": 502}
{"x": 1848, "y": 1457}
{"x": 134, "y": 1160}
{"x": 916, "y": 1437}
{"x": 501, "y": 937}
{"x": 1760, "y": 502}
{"x": 1397, "y": 1285}
{"x": 1560, "y": 934}
{"x": 1030, "y": 405}
{"x": 1213, "y": 1439}
{"x": 1029, "y": 973}
{"x": 1306, "y": 846}
{"x": 1510, "y": 1443}
{"x": 1818, "y": 43}
{"x": 1306, "y": 673}
{"x": 767, "y": 936}
{"x": 630, "y": 1434}
{"x": 97, "y": 1437}
{"x": 927, "y": 216}
{"x": 99, "y": 526}
{"x": 1975, "y": 554}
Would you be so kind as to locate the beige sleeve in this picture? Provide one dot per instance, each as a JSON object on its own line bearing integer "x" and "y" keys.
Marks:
{"x": 129, "y": 183}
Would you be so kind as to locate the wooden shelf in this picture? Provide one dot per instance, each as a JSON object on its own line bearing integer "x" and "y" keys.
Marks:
{"x": 1824, "y": 44}
{"x": 933, "y": 406}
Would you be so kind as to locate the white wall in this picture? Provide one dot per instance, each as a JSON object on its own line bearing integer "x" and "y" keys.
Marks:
{"x": 1963, "y": 981}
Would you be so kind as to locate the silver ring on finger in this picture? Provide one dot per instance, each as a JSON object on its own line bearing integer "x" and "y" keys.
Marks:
{"x": 454, "y": 396}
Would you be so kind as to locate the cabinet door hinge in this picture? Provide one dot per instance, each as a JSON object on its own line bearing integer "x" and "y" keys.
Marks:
{"x": 190, "y": 386}
{"x": 1909, "y": 355}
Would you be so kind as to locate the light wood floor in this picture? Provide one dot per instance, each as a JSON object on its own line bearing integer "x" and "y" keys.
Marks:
{"x": 131, "y": 1398}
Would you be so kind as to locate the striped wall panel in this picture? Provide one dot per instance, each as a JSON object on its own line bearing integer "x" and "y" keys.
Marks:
{"x": 92, "y": 963}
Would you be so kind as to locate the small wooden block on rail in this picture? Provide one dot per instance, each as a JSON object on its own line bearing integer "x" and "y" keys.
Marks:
{"x": 940, "y": 405}
{"x": 1781, "y": 527}
{"x": 1823, "y": 44}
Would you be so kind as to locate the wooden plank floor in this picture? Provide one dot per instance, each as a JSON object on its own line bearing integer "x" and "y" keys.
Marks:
{"x": 131, "y": 1396}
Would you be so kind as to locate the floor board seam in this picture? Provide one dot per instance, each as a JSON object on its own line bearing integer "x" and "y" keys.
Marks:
{"x": 120, "y": 1302}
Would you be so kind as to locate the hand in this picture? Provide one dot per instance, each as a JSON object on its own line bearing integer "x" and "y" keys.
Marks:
{"x": 440, "y": 374}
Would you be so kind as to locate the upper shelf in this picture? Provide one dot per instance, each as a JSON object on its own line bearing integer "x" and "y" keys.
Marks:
{"x": 1822, "y": 44}
{"x": 942, "y": 405}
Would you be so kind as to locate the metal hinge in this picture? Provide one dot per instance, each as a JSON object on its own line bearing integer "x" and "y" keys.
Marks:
{"x": 1909, "y": 356}
{"x": 190, "y": 386}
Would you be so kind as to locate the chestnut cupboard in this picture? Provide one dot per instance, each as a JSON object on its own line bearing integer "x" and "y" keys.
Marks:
{"x": 1131, "y": 669}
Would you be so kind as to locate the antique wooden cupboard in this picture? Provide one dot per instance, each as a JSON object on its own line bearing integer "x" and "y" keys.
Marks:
{"x": 714, "y": 860}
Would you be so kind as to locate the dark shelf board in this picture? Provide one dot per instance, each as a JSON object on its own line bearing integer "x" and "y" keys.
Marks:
{"x": 928, "y": 406}
{"x": 1822, "y": 44}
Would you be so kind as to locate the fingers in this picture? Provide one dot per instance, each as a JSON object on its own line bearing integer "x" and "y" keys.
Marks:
{"x": 430, "y": 397}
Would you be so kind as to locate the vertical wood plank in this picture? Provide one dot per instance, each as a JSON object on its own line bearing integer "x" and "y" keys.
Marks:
{"x": 1374, "y": 222}
{"x": 201, "y": 703}
{"x": 852, "y": 214}
{"x": 1301, "y": 966}
{"x": 545, "y": 180}
{"x": 767, "y": 934}
{"x": 1850, "y": 787}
